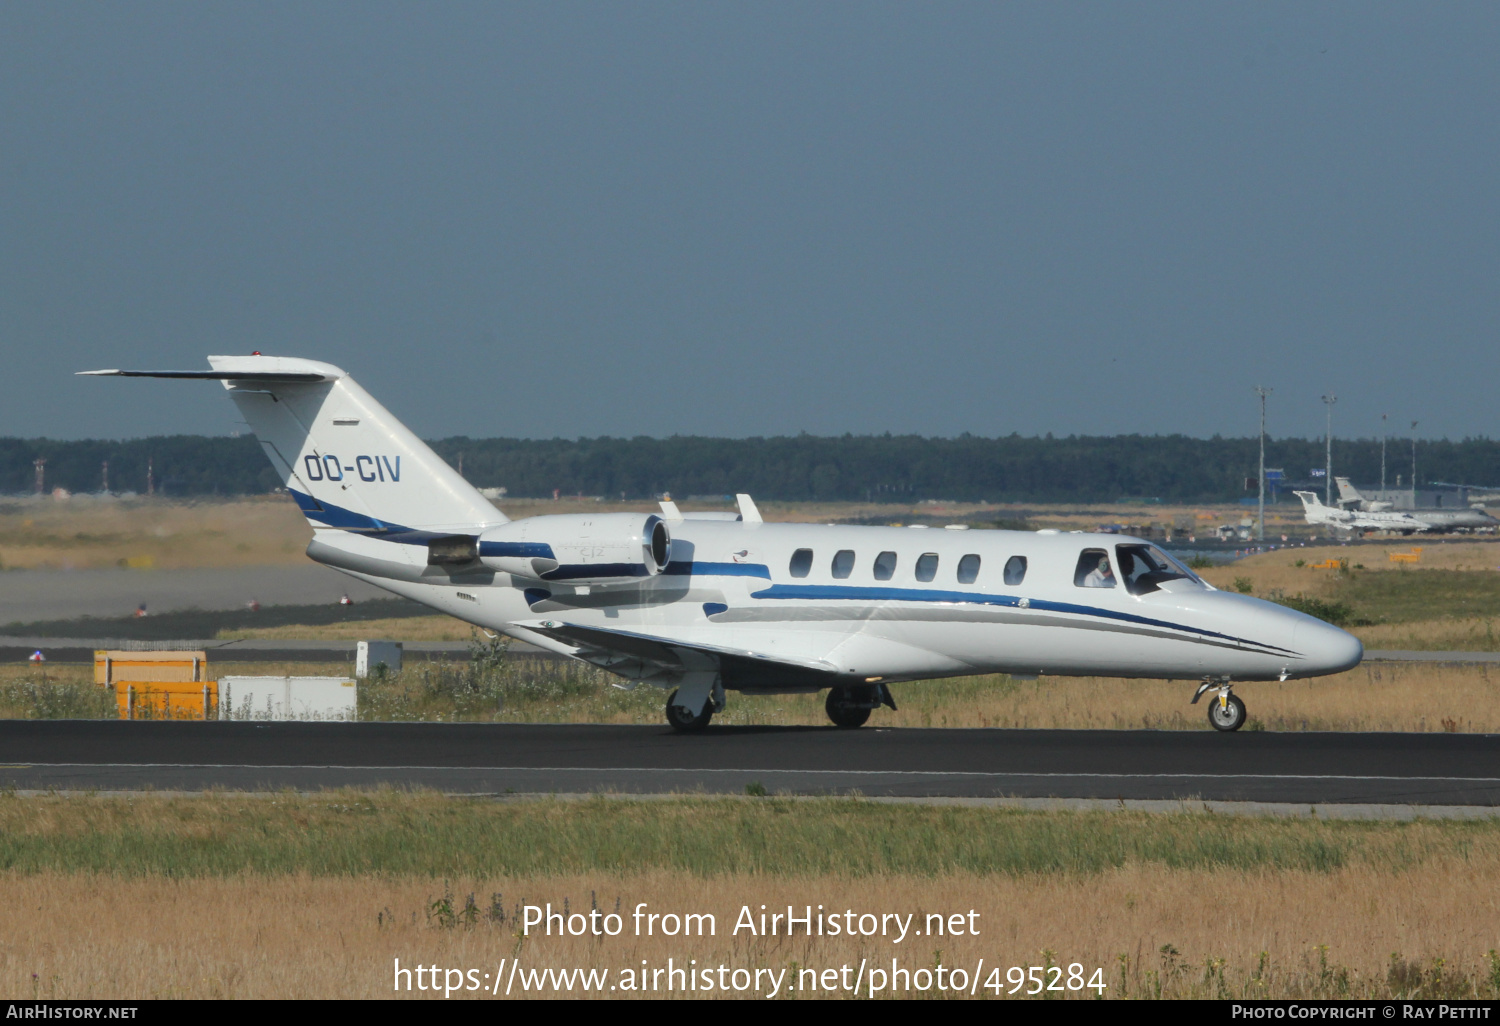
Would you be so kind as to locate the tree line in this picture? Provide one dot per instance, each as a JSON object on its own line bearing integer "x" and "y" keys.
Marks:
{"x": 893, "y": 468}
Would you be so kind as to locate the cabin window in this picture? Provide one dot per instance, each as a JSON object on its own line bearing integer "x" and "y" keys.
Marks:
{"x": 1015, "y": 570}
{"x": 885, "y": 566}
{"x": 1093, "y": 570}
{"x": 927, "y": 564}
{"x": 843, "y": 564}
{"x": 968, "y": 569}
{"x": 801, "y": 562}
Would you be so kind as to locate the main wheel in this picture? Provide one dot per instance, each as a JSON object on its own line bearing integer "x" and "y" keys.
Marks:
{"x": 681, "y": 720}
{"x": 844, "y": 709}
{"x": 1231, "y": 717}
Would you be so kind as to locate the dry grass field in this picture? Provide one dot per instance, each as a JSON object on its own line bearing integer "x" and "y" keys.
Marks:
{"x": 316, "y": 896}
{"x": 414, "y": 628}
{"x": 1461, "y": 634}
{"x": 86, "y": 533}
{"x": 1279, "y": 570}
{"x": 1418, "y": 697}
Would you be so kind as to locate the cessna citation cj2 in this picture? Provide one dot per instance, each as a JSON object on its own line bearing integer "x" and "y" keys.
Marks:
{"x": 701, "y": 603}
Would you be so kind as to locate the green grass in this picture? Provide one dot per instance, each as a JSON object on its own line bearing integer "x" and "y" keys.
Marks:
{"x": 354, "y": 833}
{"x": 491, "y": 682}
{"x": 1362, "y": 599}
{"x": 37, "y": 698}
{"x": 1340, "y": 614}
{"x": 1405, "y": 596}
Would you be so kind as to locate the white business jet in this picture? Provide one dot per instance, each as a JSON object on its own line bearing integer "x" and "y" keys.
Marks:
{"x": 1357, "y": 520}
{"x": 701, "y": 603}
{"x": 1456, "y": 518}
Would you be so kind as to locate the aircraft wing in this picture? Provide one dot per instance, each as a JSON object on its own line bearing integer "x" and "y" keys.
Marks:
{"x": 641, "y": 655}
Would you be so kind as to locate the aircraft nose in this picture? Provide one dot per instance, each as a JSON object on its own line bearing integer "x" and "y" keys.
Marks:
{"x": 1325, "y": 648}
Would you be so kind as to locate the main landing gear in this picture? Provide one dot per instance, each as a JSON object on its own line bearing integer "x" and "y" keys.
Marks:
{"x": 683, "y": 720}
{"x": 850, "y": 707}
{"x": 705, "y": 694}
{"x": 1225, "y": 710}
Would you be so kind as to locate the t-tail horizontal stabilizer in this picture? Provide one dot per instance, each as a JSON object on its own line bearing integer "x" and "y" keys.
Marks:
{"x": 342, "y": 456}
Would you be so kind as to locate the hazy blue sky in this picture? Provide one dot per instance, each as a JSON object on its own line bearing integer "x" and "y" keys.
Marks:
{"x": 758, "y": 218}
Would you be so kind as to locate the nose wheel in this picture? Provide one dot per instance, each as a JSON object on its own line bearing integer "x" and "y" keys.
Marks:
{"x": 1225, "y": 710}
{"x": 1227, "y": 714}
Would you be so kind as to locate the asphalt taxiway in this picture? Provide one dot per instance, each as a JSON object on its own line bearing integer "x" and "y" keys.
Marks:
{"x": 1307, "y": 768}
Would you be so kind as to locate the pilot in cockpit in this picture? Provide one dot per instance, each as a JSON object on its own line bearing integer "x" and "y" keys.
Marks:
{"x": 1101, "y": 576}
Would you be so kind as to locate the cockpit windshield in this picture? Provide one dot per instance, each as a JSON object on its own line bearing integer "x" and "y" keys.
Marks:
{"x": 1144, "y": 568}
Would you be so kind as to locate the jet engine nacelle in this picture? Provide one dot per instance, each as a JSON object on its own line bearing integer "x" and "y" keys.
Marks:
{"x": 580, "y": 547}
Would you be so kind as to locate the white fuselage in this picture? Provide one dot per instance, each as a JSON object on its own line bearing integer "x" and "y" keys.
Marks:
{"x": 730, "y": 587}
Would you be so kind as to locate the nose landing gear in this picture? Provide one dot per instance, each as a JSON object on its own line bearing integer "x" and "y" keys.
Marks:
{"x": 1225, "y": 711}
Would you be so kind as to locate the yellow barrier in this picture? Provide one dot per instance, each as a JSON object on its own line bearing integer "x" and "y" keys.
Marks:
{"x": 114, "y": 665}
{"x": 167, "y": 700}
{"x": 1330, "y": 564}
{"x": 1414, "y": 556}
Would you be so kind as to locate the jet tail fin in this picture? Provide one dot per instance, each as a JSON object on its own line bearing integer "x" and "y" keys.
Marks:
{"x": 343, "y": 457}
{"x": 1347, "y": 492}
{"x": 1310, "y": 500}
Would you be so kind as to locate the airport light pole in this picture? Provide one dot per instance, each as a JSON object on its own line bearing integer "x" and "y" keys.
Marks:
{"x": 1260, "y": 519}
{"x": 1328, "y": 401}
{"x": 1414, "y": 463}
{"x": 1383, "y": 432}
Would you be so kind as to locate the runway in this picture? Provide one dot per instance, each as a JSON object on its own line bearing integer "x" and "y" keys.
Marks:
{"x": 1308, "y": 768}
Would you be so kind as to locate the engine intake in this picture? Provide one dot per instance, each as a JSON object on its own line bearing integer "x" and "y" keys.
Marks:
{"x": 579, "y": 547}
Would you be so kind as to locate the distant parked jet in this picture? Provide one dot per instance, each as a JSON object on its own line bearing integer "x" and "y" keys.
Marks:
{"x": 1456, "y": 519}
{"x": 1358, "y": 520}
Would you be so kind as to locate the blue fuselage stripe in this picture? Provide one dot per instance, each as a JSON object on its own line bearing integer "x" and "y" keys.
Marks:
{"x": 583, "y": 571}
{"x": 676, "y": 568}
{"x": 866, "y": 594}
{"x": 701, "y": 568}
{"x": 338, "y": 516}
{"x": 523, "y": 550}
